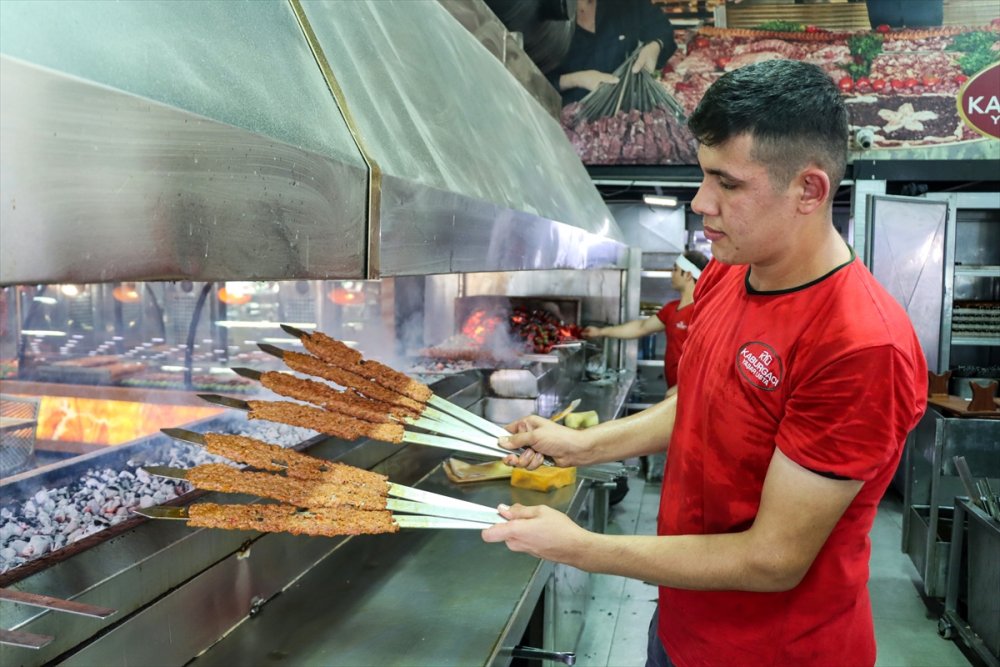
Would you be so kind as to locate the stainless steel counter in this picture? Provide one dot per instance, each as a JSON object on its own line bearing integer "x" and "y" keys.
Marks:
{"x": 415, "y": 598}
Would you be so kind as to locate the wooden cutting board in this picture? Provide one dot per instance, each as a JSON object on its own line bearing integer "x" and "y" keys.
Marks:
{"x": 959, "y": 407}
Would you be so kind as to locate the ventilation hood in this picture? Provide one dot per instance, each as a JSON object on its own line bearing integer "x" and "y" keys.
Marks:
{"x": 266, "y": 140}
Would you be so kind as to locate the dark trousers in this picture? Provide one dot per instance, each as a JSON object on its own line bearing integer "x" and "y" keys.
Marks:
{"x": 656, "y": 655}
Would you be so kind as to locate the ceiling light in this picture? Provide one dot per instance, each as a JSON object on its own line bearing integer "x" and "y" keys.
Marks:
{"x": 659, "y": 200}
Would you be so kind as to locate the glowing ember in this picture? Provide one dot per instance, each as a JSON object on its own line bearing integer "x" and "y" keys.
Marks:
{"x": 480, "y": 325}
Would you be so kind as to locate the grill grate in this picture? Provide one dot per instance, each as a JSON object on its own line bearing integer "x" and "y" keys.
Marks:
{"x": 17, "y": 433}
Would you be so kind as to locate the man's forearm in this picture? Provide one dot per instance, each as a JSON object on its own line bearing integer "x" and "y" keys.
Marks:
{"x": 628, "y": 330}
{"x": 697, "y": 562}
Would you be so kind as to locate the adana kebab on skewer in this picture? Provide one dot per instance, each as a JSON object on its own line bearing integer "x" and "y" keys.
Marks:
{"x": 380, "y": 382}
{"x": 346, "y": 377}
{"x": 360, "y": 407}
{"x": 334, "y": 400}
{"x": 328, "y": 521}
{"x": 265, "y": 456}
{"x": 340, "y": 355}
{"x": 331, "y": 423}
{"x": 299, "y": 492}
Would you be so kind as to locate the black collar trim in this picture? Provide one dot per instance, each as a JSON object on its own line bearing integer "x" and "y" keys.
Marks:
{"x": 751, "y": 290}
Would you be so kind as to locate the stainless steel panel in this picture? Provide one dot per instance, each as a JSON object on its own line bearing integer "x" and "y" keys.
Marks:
{"x": 98, "y": 184}
{"x": 932, "y": 483}
{"x": 244, "y": 64}
{"x": 427, "y": 230}
{"x": 439, "y": 111}
{"x": 193, "y": 617}
{"x": 860, "y": 194}
{"x": 476, "y": 17}
{"x": 906, "y": 254}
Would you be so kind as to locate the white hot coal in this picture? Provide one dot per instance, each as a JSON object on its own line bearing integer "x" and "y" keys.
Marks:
{"x": 57, "y": 517}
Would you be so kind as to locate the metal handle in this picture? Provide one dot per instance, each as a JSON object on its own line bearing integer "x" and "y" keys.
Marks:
{"x": 529, "y": 653}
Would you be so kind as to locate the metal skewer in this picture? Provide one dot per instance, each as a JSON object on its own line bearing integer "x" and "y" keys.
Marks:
{"x": 396, "y": 490}
{"x": 401, "y": 520}
{"x": 408, "y": 436}
{"x": 57, "y": 604}
{"x": 480, "y": 513}
{"x": 427, "y": 411}
{"x": 427, "y": 422}
{"x": 446, "y": 411}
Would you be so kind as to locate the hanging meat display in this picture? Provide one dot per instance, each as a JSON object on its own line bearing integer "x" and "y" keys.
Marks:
{"x": 900, "y": 86}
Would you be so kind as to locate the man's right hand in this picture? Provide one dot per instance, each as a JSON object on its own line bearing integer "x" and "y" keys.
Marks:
{"x": 565, "y": 446}
{"x": 591, "y": 332}
{"x": 588, "y": 78}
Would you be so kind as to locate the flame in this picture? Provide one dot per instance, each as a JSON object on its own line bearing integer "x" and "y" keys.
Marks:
{"x": 344, "y": 297}
{"x": 110, "y": 422}
{"x": 480, "y": 325}
{"x": 233, "y": 297}
{"x": 126, "y": 293}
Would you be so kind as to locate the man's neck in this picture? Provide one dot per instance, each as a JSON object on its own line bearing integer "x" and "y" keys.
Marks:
{"x": 808, "y": 261}
{"x": 687, "y": 294}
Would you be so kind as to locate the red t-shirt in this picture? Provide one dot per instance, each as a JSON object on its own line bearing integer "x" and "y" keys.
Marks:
{"x": 833, "y": 375}
{"x": 676, "y": 321}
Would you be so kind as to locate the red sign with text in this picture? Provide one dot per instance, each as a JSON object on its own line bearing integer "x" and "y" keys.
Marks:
{"x": 979, "y": 102}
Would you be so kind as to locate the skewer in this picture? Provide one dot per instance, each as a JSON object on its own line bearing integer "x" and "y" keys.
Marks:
{"x": 226, "y": 479}
{"x": 431, "y": 399}
{"x": 310, "y": 521}
{"x": 342, "y": 426}
{"x": 339, "y": 353}
{"x": 352, "y": 405}
{"x": 265, "y": 451}
{"x": 371, "y": 390}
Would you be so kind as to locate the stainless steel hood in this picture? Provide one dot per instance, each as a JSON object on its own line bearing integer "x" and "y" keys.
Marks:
{"x": 262, "y": 140}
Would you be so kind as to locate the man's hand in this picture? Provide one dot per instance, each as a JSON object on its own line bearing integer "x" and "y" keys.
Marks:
{"x": 591, "y": 332}
{"x": 588, "y": 78}
{"x": 647, "y": 57}
{"x": 540, "y": 436}
{"x": 540, "y": 531}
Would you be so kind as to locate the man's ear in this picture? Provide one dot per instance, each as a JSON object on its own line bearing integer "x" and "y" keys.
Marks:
{"x": 815, "y": 190}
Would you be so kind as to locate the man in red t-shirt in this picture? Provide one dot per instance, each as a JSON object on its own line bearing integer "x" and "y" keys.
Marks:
{"x": 673, "y": 318}
{"x": 777, "y": 454}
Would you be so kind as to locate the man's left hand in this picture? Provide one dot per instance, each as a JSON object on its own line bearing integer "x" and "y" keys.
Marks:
{"x": 538, "y": 530}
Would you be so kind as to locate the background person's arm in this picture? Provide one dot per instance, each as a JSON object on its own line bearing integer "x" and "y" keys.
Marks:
{"x": 629, "y": 330}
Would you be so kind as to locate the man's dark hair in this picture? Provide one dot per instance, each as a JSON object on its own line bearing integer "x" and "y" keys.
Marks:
{"x": 793, "y": 111}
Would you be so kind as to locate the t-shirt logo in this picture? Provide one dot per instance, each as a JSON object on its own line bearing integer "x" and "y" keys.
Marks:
{"x": 759, "y": 365}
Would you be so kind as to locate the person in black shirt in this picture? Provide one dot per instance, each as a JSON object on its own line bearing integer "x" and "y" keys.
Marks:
{"x": 607, "y": 31}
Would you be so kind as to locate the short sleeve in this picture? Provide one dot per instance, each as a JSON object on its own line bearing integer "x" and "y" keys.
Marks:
{"x": 850, "y": 419}
{"x": 663, "y": 314}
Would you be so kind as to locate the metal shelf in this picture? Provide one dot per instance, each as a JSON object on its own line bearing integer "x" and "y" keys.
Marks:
{"x": 658, "y": 363}
{"x": 969, "y": 340}
{"x": 978, "y": 271}
{"x": 11, "y": 423}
